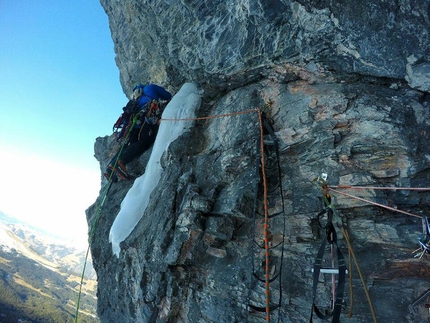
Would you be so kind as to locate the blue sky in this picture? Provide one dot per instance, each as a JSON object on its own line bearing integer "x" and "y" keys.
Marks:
{"x": 59, "y": 90}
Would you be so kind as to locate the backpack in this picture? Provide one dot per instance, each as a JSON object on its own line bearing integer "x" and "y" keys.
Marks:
{"x": 121, "y": 126}
{"x": 150, "y": 113}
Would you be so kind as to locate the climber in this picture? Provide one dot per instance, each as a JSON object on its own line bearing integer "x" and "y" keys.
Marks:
{"x": 146, "y": 108}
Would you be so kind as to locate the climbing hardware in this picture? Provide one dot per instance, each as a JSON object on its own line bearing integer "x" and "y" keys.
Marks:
{"x": 336, "y": 261}
{"x": 268, "y": 231}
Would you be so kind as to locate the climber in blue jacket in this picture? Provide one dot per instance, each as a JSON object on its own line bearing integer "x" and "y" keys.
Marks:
{"x": 149, "y": 92}
{"x": 150, "y": 101}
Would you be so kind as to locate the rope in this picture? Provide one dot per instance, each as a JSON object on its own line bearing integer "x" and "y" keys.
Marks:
{"x": 261, "y": 150}
{"x": 265, "y": 202}
{"x": 215, "y": 116}
{"x": 151, "y": 107}
{"x": 108, "y": 186}
{"x": 374, "y": 203}
{"x": 346, "y": 235}
{"x": 265, "y": 198}
{"x": 380, "y": 188}
{"x": 96, "y": 216}
{"x": 331, "y": 237}
{"x": 105, "y": 192}
{"x": 266, "y": 217}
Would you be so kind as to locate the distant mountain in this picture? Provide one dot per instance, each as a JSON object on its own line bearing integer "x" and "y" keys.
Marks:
{"x": 40, "y": 277}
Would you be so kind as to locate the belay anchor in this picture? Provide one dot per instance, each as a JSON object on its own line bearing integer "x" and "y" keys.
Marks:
{"x": 340, "y": 271}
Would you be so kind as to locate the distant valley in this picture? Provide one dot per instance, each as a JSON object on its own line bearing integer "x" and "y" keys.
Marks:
{"x": 40, "y": 277}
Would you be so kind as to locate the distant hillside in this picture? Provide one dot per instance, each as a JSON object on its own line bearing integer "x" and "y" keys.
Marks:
{"x": 39, "y": 277}
{"x": 44, "y": 246}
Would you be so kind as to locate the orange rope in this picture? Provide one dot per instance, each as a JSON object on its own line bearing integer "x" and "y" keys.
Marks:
{"x": 266, "y": 216}
{"x": 374, "y": 203}
{"x": 213, "y": 117}
{"x": 151, "y": 106}
{"x": 381, "y": 188}
{"x": 266, "y": 207}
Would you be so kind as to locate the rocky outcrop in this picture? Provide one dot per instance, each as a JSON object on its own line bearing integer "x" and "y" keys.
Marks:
{"x": 346, "y": 87}
{"x": 224, "y": 45}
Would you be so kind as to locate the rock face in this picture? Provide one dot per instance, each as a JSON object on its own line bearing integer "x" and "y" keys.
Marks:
{"x": 224, "y": 45}
{"x": 347, "y": 87}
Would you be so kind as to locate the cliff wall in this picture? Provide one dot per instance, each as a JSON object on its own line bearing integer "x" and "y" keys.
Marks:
{"x": 347, "y": 86}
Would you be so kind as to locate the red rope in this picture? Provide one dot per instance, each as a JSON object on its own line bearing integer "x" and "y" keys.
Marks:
{"x": 374, "y": 203}
{"x": 212, "y": 117}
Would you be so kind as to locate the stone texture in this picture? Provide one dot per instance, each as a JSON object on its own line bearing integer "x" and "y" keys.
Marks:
{"x": 418, "y": 74}
{"x": 223, "y": 43}
{"x": 335, "y": 79}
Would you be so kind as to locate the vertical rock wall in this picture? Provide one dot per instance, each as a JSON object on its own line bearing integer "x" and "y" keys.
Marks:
{"x": 347, "y": 94}
{"x": 224, "y": 44}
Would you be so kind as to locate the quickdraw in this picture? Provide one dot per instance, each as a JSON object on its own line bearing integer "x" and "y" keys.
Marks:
{"x": 151, "y": 114}
{"x": 337, "y": 290}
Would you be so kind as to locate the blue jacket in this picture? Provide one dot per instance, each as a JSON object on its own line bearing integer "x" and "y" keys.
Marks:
{"x": 152, "y": 92}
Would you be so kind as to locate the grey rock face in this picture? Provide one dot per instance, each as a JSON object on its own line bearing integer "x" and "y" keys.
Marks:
{"x": 189, "y": 258}
{"x": 418, "y": 74}
{"x": 332, "y": 79}
{"x": 172, "y": 41}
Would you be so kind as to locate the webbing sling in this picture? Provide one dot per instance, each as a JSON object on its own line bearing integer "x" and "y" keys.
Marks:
{"x": 332, "y": 239}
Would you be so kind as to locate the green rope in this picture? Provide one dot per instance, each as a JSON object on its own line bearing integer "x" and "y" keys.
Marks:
{"x": 104, "y": 195}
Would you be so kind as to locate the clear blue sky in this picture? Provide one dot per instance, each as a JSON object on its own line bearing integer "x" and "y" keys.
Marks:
{"x": 59, "y": 90}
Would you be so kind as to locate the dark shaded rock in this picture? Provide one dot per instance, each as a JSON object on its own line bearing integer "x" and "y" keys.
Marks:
{"x": 199, "y": 224}
{"x": 224, "y": 45}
